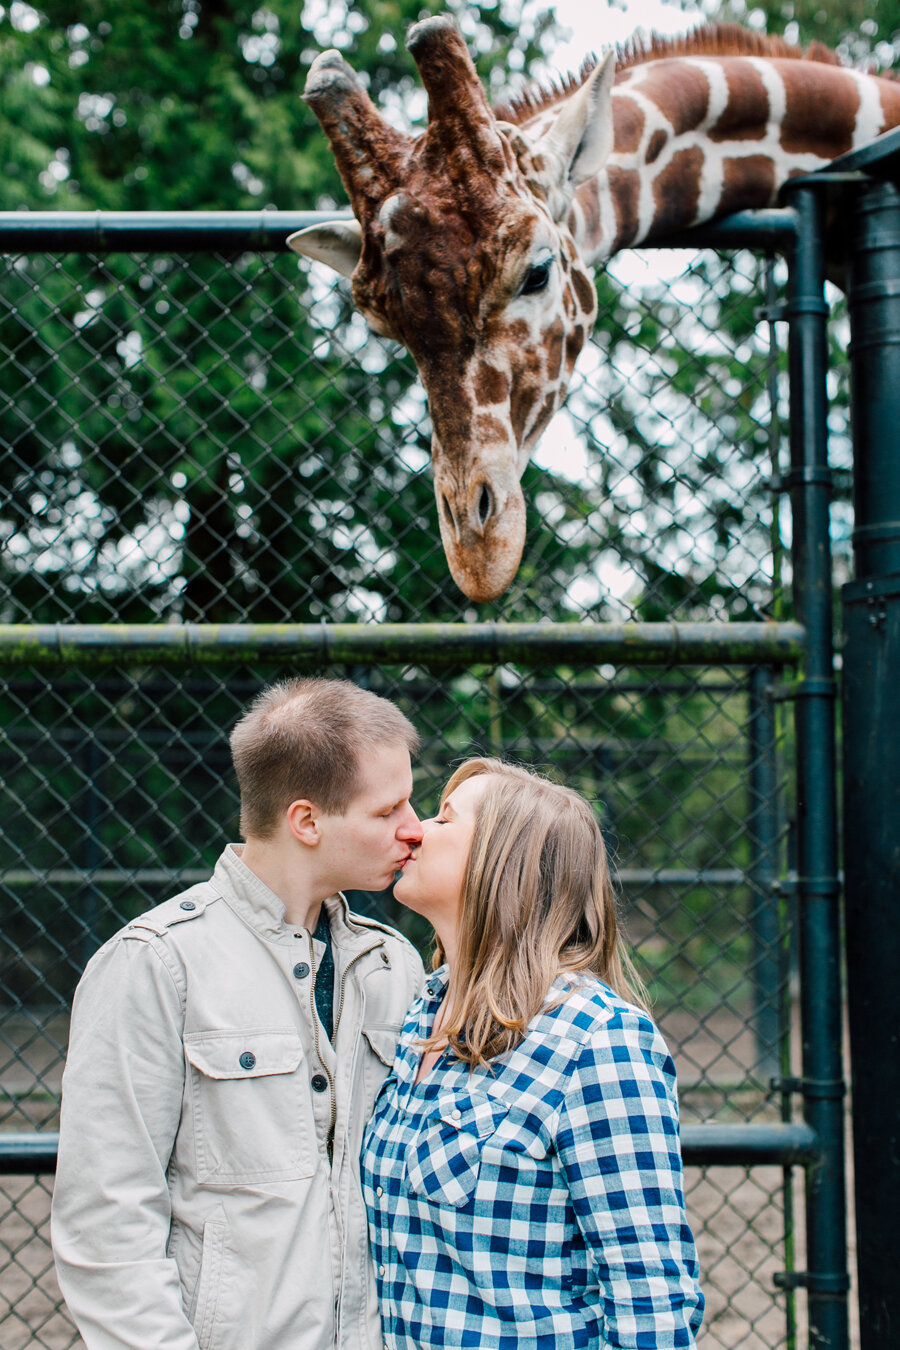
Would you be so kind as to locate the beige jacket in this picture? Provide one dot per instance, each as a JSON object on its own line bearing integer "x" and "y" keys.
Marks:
{"x": 195, "y": 1204}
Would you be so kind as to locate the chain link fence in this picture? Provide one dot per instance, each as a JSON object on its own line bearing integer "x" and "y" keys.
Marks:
{"x": 220, "y": 439}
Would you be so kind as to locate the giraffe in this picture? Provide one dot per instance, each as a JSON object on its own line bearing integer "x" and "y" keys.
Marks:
{"x": 473, "y": 243}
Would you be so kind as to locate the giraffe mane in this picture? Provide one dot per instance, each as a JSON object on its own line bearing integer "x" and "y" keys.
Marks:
{"x": 720, "y": 39}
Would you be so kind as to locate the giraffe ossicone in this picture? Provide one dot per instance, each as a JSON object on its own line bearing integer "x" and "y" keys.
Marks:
{"x": 473, "y": 243}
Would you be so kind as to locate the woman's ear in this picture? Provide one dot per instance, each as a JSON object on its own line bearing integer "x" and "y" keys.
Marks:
{"x": 302, "y": 822}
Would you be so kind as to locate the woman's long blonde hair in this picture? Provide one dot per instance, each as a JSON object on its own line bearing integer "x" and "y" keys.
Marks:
{"x": 537, "y": 902}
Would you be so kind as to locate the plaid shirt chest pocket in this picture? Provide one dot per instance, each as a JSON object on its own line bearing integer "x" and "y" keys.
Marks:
{"x": 443, "y": 1161}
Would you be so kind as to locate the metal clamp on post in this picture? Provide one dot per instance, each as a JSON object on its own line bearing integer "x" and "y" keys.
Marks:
{"x": 805, "y": 304}
{"x": 814, "y": 1089}
{"x": 804, "y": 475}
{"x": 827, "y": 886}
{"x": 822, "y": 1283}
{"x": 791, "y": 689}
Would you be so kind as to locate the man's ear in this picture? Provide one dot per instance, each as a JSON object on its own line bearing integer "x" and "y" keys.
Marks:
{"x": 302, "y": 822}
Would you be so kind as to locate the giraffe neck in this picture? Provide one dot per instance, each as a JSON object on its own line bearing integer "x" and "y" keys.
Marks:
{"x": 702, "y": 136}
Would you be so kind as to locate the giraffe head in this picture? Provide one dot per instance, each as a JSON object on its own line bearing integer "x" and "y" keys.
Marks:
{"x": 460, "y": 251}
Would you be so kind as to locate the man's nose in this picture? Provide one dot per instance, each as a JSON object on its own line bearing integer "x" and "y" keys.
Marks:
{"x": 410, "y": 828}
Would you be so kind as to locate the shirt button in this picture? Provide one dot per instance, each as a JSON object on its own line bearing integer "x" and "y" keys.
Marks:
{"x": 319, "y": 1082}
{"x": 456, "y": 1115}
{"x": 382, "y": 1271}
{"x": 429, "y": 991}
{"x": 187, "y": 904}
{"x": 247, "y": 1060}
{"x": 301, "y": 970}
{"x": 379, "y": 1191}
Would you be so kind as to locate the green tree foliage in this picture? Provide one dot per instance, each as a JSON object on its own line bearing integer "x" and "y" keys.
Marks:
{"x": 866, "y": 31}
{"x": 206, "y": 437}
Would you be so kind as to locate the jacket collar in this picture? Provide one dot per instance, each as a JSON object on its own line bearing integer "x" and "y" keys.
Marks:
{"x": 260, "y": 908}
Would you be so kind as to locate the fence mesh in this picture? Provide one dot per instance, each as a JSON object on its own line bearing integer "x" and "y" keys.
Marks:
{"x": 221, "y": 439}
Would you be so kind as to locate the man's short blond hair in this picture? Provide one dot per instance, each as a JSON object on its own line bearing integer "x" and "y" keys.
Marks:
{"x": 306, "y": 738}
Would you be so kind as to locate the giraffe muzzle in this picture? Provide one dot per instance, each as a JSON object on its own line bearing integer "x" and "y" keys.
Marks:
{"x": 483, "y": 532}
{"x": 475, "y": 514}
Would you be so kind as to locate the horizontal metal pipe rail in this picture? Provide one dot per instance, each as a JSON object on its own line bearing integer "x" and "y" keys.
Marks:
{"x": 701, "y": 1145}
{"x": 189, "y": 876}
{"x": 421, "y": 644}
{"x": 266, "y": 231}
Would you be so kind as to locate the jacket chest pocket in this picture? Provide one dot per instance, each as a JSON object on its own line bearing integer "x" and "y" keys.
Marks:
{"x": 442, "y": 1163}
{"x": 252, "y": 1116}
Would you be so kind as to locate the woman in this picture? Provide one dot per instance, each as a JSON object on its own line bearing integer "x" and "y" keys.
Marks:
{"x": 521, "y": 1170}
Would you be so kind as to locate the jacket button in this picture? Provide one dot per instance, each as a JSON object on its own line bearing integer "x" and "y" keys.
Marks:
{"x": 247, "y": 1059}
{"x": 301, "y": 970}
{"x": 386, "y": 960}
{"x": 187, "y": 904}
{"x": 319, "y": 1082}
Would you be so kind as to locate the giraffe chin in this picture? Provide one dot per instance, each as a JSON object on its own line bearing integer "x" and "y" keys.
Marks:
{"x": 484, "y": 565}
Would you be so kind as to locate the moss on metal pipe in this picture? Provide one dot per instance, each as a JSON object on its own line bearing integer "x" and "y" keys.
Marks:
{"x": 423, "y": 644}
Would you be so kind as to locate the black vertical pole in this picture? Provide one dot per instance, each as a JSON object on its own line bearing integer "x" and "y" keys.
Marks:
{"x": 871, "y": 715}
{"x": 817, "y": 885}
{"x": 762, "y": 824}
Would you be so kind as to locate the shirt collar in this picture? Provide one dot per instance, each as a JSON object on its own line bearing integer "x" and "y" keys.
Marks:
{"x": 261, "y": 909}
{"x": 436, "y": 982}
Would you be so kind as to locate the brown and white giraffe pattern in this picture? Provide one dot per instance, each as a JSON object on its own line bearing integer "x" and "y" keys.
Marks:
{"x": 475, "y": 240}
{"x": 698, "y": 137}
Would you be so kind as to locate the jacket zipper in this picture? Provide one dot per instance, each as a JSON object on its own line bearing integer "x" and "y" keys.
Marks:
{"x": 315, "y": 1023}
{"x": 337, "y": 1021}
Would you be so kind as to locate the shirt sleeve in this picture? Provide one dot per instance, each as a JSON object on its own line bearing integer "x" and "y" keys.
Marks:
{"x": 618, "y": 1144}
{"x": 122, "y": 1096}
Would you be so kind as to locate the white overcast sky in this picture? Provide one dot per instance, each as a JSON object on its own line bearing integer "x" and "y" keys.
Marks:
{"x": 596, "y": 25}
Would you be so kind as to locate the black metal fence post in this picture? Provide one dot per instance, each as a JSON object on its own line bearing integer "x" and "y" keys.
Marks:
{"x": 825, "y": 1278}
{"x": 871, "y": 680}
{"x": 763, "y": 823}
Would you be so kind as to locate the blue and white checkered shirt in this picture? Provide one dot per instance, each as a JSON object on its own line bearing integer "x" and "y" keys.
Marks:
{"x": 538, "y": 1204}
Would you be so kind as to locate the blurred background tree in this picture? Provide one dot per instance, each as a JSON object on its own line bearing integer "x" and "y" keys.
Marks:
{"x": 220, "y": 439}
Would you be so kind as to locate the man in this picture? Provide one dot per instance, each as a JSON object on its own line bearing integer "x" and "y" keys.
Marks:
{"x": 226, "y": 1050}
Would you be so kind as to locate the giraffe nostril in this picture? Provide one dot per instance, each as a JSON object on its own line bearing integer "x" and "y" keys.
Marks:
{"x": 485, "y": 504}
{"x": 448, "y": 511}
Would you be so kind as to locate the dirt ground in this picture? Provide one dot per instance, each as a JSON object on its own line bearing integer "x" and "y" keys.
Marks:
{"x": 737, "y": 1214}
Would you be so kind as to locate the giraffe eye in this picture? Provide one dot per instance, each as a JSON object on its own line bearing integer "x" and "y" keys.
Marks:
{"x": 536, "y": 278}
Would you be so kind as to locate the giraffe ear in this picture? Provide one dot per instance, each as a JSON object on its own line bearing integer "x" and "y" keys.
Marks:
{"x": 581, "y": 139}
{"x": 337, "y": 243}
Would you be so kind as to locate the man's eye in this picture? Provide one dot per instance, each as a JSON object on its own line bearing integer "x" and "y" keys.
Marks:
{"x": 536, "y": 278}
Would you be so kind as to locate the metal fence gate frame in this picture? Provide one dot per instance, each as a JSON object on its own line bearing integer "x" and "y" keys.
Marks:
{"x": 772, "y": 651}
